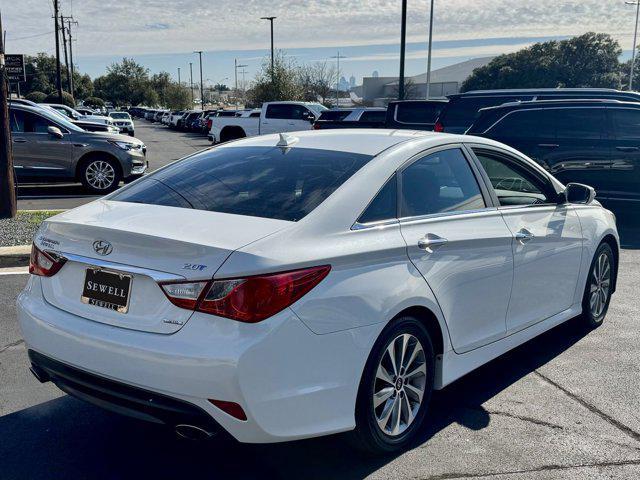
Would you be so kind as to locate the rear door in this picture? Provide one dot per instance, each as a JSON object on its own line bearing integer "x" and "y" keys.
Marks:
{"x": 581, "y": 151}
{"x": 622, "y": 182}
{"x": 547, "y": 238}
{"x": 459, "y": 243}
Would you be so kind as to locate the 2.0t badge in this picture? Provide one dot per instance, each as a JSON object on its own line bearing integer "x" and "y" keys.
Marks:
{"x": 102, "y": 247}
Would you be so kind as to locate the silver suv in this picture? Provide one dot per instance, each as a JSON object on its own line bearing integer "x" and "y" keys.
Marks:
{"x": 47, "y": 147}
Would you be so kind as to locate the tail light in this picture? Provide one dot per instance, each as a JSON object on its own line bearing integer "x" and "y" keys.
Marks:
{"x": 438, "y": 127}
{"x": 250, "y": 299}
{"x": 209, "y": 123}
{"x": 44, "y": 264}
{"x": 316, "y": 126}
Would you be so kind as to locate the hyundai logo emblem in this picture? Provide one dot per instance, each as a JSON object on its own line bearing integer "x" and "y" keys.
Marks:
{"x": 102, "y": 247}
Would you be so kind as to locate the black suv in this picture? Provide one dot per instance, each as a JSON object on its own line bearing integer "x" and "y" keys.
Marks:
{"x": 462, "y": 108}
{"x": 595, "y": 142}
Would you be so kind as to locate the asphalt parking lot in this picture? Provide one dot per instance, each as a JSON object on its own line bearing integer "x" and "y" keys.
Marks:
{"x": 564, "y": 405}
{"x": 163, "y": 147}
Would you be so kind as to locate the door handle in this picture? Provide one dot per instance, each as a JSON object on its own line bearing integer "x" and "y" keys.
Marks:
{"x": 628, "y": 149}
{"x": 430, "y": 242}
{"x": 524, "y": 236}
{"x": 19, "y": 140}
{"x": 548, "y": 145}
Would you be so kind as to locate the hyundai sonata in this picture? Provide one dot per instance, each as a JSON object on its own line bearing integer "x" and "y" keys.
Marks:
{"x": 284, "y": 287}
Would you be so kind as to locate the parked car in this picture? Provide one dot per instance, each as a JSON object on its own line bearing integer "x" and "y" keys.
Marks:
{"x": 458, "y": 115}
{"x": 286, "y": 287}
{"x": 402, "y": 114}
{"x": 187, "y": 116}
{"x": 73, "y": 114}
{"x": 166, "y": 116}
{"x": 175, "y": 116}
{"x": 595, "y": 142}
{"x": 275, "y": 117}
{"x": 149, "y": 114}
{"x": 85, "y": 111}
{"x": 123, "y": 121}
{"x": 47, "y": 147}
{"x": 157, "y": 116}
{"x": 348, "y": 118}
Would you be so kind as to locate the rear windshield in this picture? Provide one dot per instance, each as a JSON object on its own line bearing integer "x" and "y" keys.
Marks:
{"x": 418, "y": 112}
{"x": 268, "y": 182}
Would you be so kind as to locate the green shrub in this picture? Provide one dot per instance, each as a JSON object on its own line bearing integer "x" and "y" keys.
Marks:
{"x": 93, "y": 102}
{"x": 66, "y": 99}
{"x": 36, "y": 96}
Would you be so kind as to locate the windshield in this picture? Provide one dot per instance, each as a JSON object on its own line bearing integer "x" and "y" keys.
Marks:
{"x": 267, "y": 182}
{"x": 121, "y": 115}
{"x": 55, "y": 116}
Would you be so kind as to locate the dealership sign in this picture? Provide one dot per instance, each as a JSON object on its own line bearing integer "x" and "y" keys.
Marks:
{"x": 14, "y": 66}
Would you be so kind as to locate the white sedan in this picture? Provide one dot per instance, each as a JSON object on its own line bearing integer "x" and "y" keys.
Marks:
{"x": 285, "y": 287}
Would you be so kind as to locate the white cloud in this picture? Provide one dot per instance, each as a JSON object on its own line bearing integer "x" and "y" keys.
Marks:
{"x": 162, "y": 26}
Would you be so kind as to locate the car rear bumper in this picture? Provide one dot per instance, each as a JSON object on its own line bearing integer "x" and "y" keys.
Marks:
{"x": 290, "y": 382}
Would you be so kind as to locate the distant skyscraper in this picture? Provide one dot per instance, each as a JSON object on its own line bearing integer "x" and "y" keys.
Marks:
{"x": 352, "y": 81}
{"x": 375, "y": 74}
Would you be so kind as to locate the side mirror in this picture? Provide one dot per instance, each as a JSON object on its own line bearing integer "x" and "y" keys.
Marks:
{"x": 55, "y": 131}
{"x": 579, "y": 193}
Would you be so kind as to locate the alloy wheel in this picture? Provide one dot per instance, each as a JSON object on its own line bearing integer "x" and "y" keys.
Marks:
{"x": 400, "y": 384}
{"x": 100, "y": 174}
{"x": 600, "y": 284}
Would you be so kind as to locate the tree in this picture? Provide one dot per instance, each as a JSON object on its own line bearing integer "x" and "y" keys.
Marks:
{"x": 126, "y": 83}
{"x": 176, "y": 97}
{"x": 67, "y": 99}
{"x": 36, "y": 96}
{"x": 589, "y": 60}
{"x": 285, "y": 85}
{"x": 94, "y": 102}
{"x": 410, "y": 90}
{"x": 316, "y": 81}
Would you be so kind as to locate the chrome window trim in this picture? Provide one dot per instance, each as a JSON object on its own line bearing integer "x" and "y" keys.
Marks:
{"x": 378, "y": 224}
{"x": 444, "y": 215}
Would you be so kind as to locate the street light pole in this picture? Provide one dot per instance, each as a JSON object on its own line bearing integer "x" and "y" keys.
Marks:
{"x": 199, "y": 52}
{"x": 403, "y": 41}
{"x": 429, "y": 52}
{"x": 635, "y": 35}
{"x": 191, "y": 81}
{"x": 235, "y": 69}
{"x": 179, "y": 83}
{"x": 271, "y": 19}
{"x": 338, "y": 57}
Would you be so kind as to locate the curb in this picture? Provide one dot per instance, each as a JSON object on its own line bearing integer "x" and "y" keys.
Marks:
{"x": 17, "y": 256}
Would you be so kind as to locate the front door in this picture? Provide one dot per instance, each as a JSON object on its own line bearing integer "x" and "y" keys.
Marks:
{"x": 547, "y": 240}
{"x": 461, "y": 246}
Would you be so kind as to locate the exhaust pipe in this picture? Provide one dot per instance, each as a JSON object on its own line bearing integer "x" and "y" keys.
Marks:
{"x": 192, "y": 432}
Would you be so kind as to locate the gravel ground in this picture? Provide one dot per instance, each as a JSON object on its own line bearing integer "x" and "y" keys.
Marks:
{"x": 21, "y": 229}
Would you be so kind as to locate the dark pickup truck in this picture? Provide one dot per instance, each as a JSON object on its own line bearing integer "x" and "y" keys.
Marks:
{"x": 401, "y": 114}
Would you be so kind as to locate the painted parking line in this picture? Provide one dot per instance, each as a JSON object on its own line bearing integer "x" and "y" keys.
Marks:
{"x": 14, "y": 271}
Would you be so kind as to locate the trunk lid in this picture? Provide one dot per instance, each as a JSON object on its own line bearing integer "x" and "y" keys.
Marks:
{"x": 149, "y": 243}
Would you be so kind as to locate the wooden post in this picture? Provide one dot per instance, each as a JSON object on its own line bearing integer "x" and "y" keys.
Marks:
{"x": 7, "y": 182}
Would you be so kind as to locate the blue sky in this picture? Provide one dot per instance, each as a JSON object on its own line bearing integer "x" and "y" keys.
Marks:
{"x": 161, "y": 34}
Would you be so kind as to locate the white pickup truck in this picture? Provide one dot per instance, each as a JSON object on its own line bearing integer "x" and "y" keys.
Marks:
{"x": 274, "y": 117}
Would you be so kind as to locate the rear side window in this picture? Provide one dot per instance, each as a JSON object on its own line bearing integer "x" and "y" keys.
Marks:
{"x": 417, "y": 112}
{"x": 384, "y": 205}
{"x": 373, "y": 116}
{"x": 287, "y": 111}
{"x": 524, "y": 123}
{"x": 268, "y": 182}
{"x": 438, "y": 183}
{"x": 626, "y": 123}
{"x": 580, "y": 123}
{"x": 334, "y": 115}
{"x": 461, "y": 111}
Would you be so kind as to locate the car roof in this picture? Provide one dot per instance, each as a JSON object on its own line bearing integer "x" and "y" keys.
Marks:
{"x": 366, "y": 141}
{"x": 545, "y": 91}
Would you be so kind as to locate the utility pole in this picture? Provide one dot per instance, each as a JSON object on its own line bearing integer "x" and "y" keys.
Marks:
{"x": 7, "y": 181}
{"x": 179, "y": 83}
{"x": 403, "y": 41}
{"x": 191, "y": 81}
{"x": 199, "y": 52}
{"x": 338, "y": 57}
{"x": 66, "y": 58}
{"x": 70, "y": 21}
{"x": 429, "y": 53}
{"x": 235, "y": 69}
{"x": 635, "y": 35}
{"x": 271, "y": 19}
{"x": 56, "y": 12}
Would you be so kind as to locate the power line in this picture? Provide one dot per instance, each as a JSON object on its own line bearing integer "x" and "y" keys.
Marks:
{"x": 30, "y": 36}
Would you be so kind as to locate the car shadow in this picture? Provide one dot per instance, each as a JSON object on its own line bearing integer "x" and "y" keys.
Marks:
{"x": 66, "y": 438}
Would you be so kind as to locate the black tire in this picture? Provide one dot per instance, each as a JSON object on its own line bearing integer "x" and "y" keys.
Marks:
{"x": 91, "y": 185}
{"x": 594, "y": 317}
{"x": 368, "y": 436}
